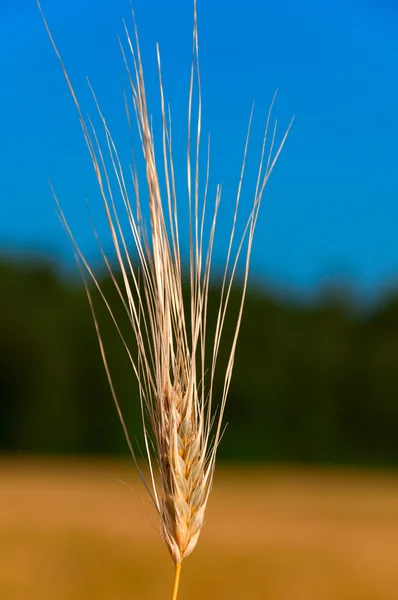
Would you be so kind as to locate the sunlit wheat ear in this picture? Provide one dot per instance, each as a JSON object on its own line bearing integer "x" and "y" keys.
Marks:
{"x": 182, "y": 430}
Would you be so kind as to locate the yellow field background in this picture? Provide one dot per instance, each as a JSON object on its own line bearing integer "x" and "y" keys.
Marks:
{"x": 73, "y": 531}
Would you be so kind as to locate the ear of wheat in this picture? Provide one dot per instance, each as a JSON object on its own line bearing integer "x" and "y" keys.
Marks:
{"x": 175, "y": 376}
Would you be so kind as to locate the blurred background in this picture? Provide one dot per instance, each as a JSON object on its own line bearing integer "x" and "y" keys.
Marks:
{"x": 306, "y": 496}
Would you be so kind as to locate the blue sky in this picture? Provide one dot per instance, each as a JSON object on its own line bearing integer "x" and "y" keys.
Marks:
{"x": 331, "y": 209}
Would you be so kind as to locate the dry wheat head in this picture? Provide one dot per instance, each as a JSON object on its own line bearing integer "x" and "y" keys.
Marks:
{"x": 175, "y": 376}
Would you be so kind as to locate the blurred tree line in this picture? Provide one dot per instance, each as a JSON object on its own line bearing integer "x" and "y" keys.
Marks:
{"x": 312, "y": 383}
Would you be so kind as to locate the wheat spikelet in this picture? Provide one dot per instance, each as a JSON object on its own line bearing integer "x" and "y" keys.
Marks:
{"x": 181, "y": 428}
{"x": 183, "y": 478}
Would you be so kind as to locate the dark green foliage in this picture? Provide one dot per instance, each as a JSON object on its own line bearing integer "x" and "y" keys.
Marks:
{"x": 312, "y": 383}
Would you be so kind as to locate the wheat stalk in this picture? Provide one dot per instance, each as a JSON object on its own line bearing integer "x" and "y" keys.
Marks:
{"x": 182, "y": 431}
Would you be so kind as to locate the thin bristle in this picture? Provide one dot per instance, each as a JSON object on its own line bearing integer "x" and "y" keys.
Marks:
{"x": 175, "y": 376}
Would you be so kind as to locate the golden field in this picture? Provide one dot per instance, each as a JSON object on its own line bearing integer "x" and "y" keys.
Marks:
{"x": 72, "y": 531}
